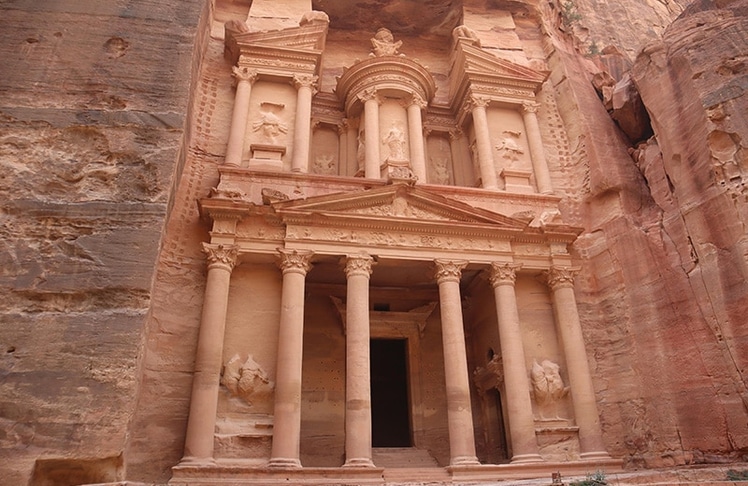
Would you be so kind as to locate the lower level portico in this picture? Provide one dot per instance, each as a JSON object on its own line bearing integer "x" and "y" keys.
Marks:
{"x": 341, "y": 325}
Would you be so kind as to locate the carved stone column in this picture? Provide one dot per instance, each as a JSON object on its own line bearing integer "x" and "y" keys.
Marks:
{"x": 357, "y": 372}
{"x": 352, "y": 141}
{"x": 287, "y": 423}
{"x": 561, "y": 282}
{"x": 342, "y": 128}
{"x": 519, "y": 407}
{"x": 371, "y": 127}
{"x": 235, "y": 148}
{"x": 537, "y": 153}
{"x": 483, "y": 140}
{"x": 415, "y": 138}
{"x": 201, "y": 424}
{"x": 304, "y": 84}
{"x": 459, "y": 410}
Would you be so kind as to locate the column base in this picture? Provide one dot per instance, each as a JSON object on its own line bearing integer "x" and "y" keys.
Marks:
{"x": 525, "y": 458}
{"x": 464, "y": 461}
{"x": 359, "y": 462}
{"x": 594, "y": 456}
{"x": 197, "y": 461}
{"x": 284, "y": 463}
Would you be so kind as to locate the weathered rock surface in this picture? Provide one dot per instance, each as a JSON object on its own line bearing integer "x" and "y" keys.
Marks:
{"x": 93, "y": 100}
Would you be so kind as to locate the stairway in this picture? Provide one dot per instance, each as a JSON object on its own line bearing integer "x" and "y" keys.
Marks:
{"x": 402, "y": 457}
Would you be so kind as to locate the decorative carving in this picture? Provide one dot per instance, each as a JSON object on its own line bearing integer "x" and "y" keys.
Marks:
{"x": 509, "y": 146}
{"x": 558, "y": 277}
{"x": 270, "y": 196}
{"x": 449, "y": 270}
{"x": 476, "y": 101}
{"x": 358, "y": 265}
{"x": 440, "y": 169}
{"x": 383, "y": 44}
{"x": 247, "y": 380}
{"x": 236, "y": 26}
{"x": 530, "y": 106}
{"x": 227, "y": 192}
{"x": 305, "y": 81}
{"x": 270, "y": 125}
{"x": 244, "y": 74}
{"x": 417, "y": 100}
{"x": 314, "y": 17}
{"x": 549, "y": 216}
{"x": 503, "y": 273}
{"x": 548, "y": 387}
{"x": 324, "y": 164}
{"x": 463, "y": 32}
{"x": 221, "y": 256}
{"x": 490, "y": 377}
{"x": 395, "y": 141}
{"x": 368, "y": 94}
{"x": 361, "y": 150}
{"x": 297, "y": 261}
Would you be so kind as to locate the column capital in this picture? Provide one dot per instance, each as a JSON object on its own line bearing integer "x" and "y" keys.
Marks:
{"x": 305, "y": 81}
{"x": 560, "y": 277}
{"x": 530, "y": 107}
{"x": 295, "y": 261}
{"x": 221, "y": 256}
{"x": 503, "y": 273}
{"x": 449, "y": 270}
{"x": 359, "y": 264}
{"x": 416, "y": 100}
{"x": 368, "y": 94}
{"x": 241, "y": 73}
{"x": 342, "y": 126}
{"x": 475, "y": 101}
{"x": 455, "y": 134}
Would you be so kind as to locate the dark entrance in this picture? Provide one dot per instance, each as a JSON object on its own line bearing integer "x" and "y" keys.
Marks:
{"x": 389, "y": 393}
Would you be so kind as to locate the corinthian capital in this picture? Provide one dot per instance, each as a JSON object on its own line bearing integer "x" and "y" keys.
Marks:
{"x": 503, "y": 273}
{"x": 530, "y": 106}
{"x": 476, "y": 101}
{"x": 305, "y": 81}
{"x": 358, "y": 265}
{"x": 449, "y": 270}
{"x": 559, "y": 277}
{"x": 221, "y": 256}
{"x": 244, "y": 74}
{"x": 368, "y": 94}
{"x": 296, "y": 261}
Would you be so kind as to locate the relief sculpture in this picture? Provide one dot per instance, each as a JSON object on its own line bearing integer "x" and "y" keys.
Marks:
{"x": 548, "y": 388}
{"x": 247, "y": 380}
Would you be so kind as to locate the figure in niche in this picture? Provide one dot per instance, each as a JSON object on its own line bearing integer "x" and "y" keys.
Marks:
{"x": 395, "y": 141}
{"x": 383, "y": 44}
{"x": 247, "y": 380}
{"x": 270, "y": 125}
{"x": 509, "y": 146}
{"x": 441, "y": 173}
{"x": 361, "y": 152}
{"x": 324, "y": 164}
{"x": 548, "y": 388}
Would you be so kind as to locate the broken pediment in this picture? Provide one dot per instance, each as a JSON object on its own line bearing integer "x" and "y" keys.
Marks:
{"x": 295, "y": 43}
{"x": 398, "y": 202}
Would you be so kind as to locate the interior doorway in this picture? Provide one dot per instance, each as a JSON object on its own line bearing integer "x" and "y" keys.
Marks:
{"x": 390, "y": 407}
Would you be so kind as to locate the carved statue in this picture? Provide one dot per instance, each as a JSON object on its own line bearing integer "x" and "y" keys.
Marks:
{"x": 395, "y": 141}
{"x": 441, "y": 173}
{"x": 383, "y": 44}
{"x": 464, "y": 32}
{"x": 547, "y": 385}
{"x": 361, "y": 151}
{"x": 270, "y": 124}
{"x": 247, "y": 380}
{"x": 509, "y": 145}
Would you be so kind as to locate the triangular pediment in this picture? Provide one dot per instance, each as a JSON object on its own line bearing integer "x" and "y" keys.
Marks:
{"x": 308, "y": 38}
{"x": 398, "y": 202}
{"x": 474, "y": 60}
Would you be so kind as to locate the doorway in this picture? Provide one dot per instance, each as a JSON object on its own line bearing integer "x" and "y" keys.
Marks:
{"x": 390, "y": 407}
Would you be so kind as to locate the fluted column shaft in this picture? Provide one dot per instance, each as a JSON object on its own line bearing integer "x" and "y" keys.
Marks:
{"x": 561, "y": 282}
{"x": 459, "y": 410}
{"x": 415, "y": 138}
{"x": 198, "y": 444}
{"x": 483, "y": 142}
{"x": 235, "y": 148}
{"x": 287, "y": 422}
{"x": 371, "y": 127}
{"x": 357, "y": 374}
{"x": 537, "y": 153}
{"x": 304, "y": 84}
{"x": 519, "y": 408}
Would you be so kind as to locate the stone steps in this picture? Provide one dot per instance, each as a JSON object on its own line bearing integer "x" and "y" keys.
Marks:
{"x": 403, "y": 457}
